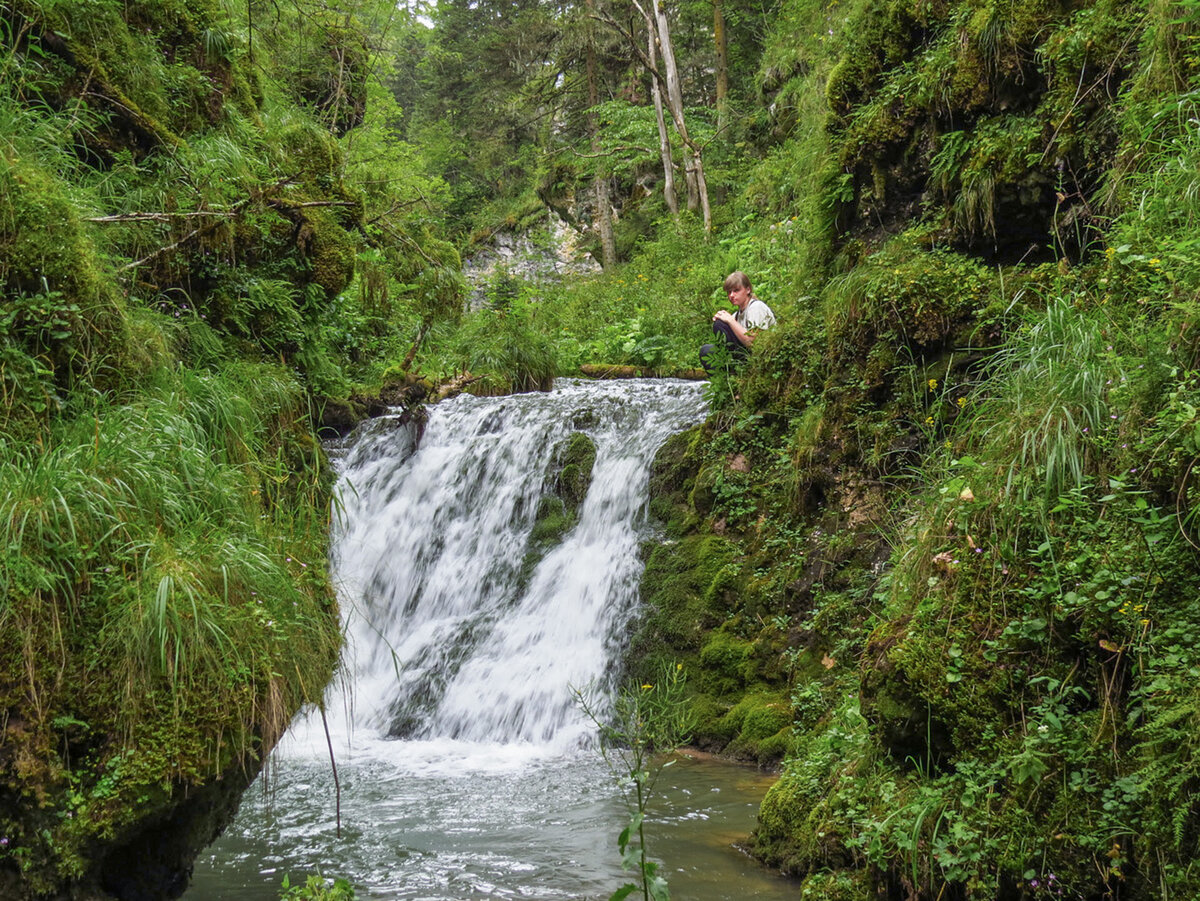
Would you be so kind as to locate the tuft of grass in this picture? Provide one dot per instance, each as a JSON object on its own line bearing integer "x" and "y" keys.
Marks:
{"x": 1049, "y": 399}
{"x": 173, "y": 550}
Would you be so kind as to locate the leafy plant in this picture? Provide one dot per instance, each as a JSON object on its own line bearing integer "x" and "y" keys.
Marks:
{"x": 316, "y": 888}
{"x": 645, "y": 721}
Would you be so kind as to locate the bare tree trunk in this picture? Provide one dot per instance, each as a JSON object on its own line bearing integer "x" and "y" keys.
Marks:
{"x": 664, "y": 139}
{"x": 608, "y": 244}
{"x": 721, "y": 39}
{"x": 697, "y": 188}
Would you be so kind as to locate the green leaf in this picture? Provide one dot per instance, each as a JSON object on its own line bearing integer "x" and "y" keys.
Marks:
{"x": 623, "y": 838}
{"x": 658, "y": 889}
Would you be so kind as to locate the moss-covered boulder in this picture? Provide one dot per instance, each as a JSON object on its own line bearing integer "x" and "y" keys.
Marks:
{"x": 62, "y": 309}
{"x": 568, "y": 478}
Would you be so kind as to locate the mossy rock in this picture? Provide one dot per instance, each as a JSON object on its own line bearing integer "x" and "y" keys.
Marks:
{"x": 314, "y": 152}
{"x": 703, "y": 496}
{"x": 838, "y": 885}
{"x": 674, "y": 464}
{"x": 798, "y": 830}
{"x": 758, "y": 728}
{"x": 728, "y": 664}
{"x": 67, "y": 310}
{"x": 573, "y": 462}
{"x": 675, "y": 587}
{"x": 552, "y": 522}
{"x": 568, "y": 478}
{"x": 330, "y": 249}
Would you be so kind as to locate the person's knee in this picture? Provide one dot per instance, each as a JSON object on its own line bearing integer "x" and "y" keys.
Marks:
{"x": 723, "y": 330}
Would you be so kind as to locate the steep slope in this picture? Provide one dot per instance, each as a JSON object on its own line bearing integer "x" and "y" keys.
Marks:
{"x": 937, "y": 541}
{"x": 175, "y": 231}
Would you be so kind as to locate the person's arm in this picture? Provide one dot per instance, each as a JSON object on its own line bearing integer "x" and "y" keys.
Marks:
{"x": 744, "y": 336}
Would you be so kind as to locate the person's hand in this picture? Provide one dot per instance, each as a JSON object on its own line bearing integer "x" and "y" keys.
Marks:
{"x": 722, "y": 316}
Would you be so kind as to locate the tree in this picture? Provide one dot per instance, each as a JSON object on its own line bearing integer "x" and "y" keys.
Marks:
{"x": 721, "y": 42}
{"x": 600, "y": 184}
{"x": 667, "y": 75}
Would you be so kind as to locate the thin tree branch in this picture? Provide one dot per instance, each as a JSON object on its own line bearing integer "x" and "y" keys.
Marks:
{"x": 609, "y": 153}
{"x": 158, "y": 217}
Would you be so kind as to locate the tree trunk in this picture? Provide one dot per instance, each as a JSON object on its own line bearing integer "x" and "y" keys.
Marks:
{"x": 721, "y": 39}
{"x": 604, "y": 225}
{"x": 664, "y": 138}
{"x": 697, "y": 188}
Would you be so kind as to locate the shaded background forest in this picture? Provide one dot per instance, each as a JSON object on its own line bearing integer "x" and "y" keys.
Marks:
{"x": 933, "y": 553}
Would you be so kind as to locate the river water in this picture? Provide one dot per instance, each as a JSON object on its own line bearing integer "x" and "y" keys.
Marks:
{"x": 467, "y": 770}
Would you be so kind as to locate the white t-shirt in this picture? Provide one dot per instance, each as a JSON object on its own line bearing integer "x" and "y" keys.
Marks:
{"x": 756, "y": 315}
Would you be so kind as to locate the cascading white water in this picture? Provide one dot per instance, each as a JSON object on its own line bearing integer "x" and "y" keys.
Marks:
{"x": 460, "y": 775}
{"x": 446, "y": 639}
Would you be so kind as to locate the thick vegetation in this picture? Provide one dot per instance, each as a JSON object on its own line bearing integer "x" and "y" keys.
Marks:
{"x": 190, "y": 265}
{"x": 938, "y": 541}
{"x": 933, "y": 553}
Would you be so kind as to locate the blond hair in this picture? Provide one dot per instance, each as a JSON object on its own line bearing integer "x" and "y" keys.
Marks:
{"x": 736, "y": 280}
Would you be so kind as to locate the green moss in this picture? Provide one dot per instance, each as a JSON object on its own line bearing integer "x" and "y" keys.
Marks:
{"x": 728, "y": 662}
{"x": 758, "y": 727}
{"x": 676, "y": 588}
{"x": 552, "y": 522}
{"x": 330, "y": 249}
{"x": 574, "y": 461}
{"x": 64, "y": 312}
{"x": 765, "y": 720}
{"x": 138, "y": 679}
{"x": 568, "y": 478}
{"x": 703, "y": 496}
{"x": 838, "y": 885}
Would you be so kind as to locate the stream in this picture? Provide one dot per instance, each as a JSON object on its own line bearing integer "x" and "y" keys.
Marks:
{"x": 466, "y": 769}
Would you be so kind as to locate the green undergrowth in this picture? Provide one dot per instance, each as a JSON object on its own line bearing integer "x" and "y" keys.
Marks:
{"x": 650, "y": 314}
{"x": 191, "y": 268}
{"x": 939, "y": 533}
{"x": 166, "y": 605}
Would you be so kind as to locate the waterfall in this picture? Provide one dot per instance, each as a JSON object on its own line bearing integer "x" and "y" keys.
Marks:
{"x": 450, "y": 636}
{"x": 465, "y": 768}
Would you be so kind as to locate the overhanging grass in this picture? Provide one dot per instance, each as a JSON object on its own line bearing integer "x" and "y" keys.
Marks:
{"x": 164, "y": 587}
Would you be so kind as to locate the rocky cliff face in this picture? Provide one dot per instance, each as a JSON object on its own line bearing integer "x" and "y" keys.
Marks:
{"x": 548, "y": 251}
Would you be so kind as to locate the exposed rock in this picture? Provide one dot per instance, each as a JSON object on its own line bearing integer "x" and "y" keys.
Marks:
{"x": 547, "y": 253}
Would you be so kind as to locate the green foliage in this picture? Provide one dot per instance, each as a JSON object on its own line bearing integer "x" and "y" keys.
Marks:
{"x": 646, "y": 721}
{"x": 165, "y": 586}
{"x": 999, "y": 707}
{"x": 1053, "y": 379}
{"x": 504, "y": 351}
{"x": 936, "y": 541}
{"x": 316, "y": 888}
{"x": 652, "y": 314}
